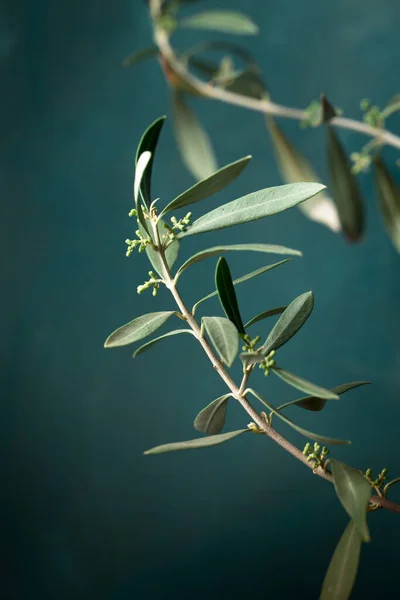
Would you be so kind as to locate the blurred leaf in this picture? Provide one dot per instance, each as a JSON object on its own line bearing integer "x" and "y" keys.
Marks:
{"x": 389, "y": 201}
{"x": 156, "y": 340}
{"x": 354, "y": 492}
{"x": 265, "y": 248}
{"x": 193, "y": 141}
{"x": 305, "y": 386}
{"x": 224, "y": 337}
{"x": 191, "y": 54}
{"x": 203, "y": 442}
{"x": 316, "y": 404}
{"x": 345, "y": 191}
{"x": 308, "y": 434}
{"x": 265, "y": 315}
{"x": 244, "y": 278}
{"x": 138, "y": 329}
{"x": 226, "y": 21}
{"x": 342, "y": 570}
{"x": 289, "y": 323}
{"x": 141, "y": 165}
{"x": 251, "y": 207}
{"x": 227, "y": 294}
{"x": 149, "y": 143}
{"x": 136, "y": 57}
{"x": 248, "y": 83}
{"x": 251, "y": 358}
{"x": 212, "y": 418}
{"x": 210, "y": 186}
{"x": 294, "y": 167}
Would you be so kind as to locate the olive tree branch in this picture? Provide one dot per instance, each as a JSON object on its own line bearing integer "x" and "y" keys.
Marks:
{"x": 239, "y": 393}
{"x": 161, "y": 39}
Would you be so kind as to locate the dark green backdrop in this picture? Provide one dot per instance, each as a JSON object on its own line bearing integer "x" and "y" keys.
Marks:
{"x": 85, "y": 514}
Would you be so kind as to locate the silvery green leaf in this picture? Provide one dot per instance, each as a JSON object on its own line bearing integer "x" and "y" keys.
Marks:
{"x": 389, "y": 201}
{"x": 158, "y": 339}
{"x": 227, "y": 294}
{"x": 225, "y": 21}
{"x": 209, "y": 252}
{"x": 342, "y": 571}
{"x": 289, "y": 323}
{"x": 203, "y": 442}
{"x": 149, "y": 143}
{"x": 314, "y": 403}
{"x": 243, "y": 279}
{"x": 354, "y": 492}
{"x": 345, "y": 190}
{"x": 263, "y": 203}
{"x": 138, "y": 329}
{"x": 209, "y": 186}
{"x": 224, "y": 337}
{"x": 303, "y": 385}
{"x": 265, "y": 315}
{"x": 294, "y": 167}
{"x": 308, "y": 434}
{"x": 212, "y": 418}
{"x": 193, "y": 141}
{"x": 136, "y": 57}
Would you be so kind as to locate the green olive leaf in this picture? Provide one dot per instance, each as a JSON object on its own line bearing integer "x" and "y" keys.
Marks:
{"x": 388, "y": 192}
{"x": 265, "y": 315}
{"x": 138, "y": 329}
{"x": 225, "y": 21}
{"x": 227, "y": 294}
{"x": 137, "y": 57}
{"x": 303, "y": 385}
{"x": 212, "y": 418}
{"x": 203, "y": 442}
{"x": 314, "y": 403}
{"x": 158, "y": 339}
{"x": 149, "y": 143}
{"x": 224, "y": 337}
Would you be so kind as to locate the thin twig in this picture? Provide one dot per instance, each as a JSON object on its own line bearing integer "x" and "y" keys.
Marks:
{"x": 161, "y": 39}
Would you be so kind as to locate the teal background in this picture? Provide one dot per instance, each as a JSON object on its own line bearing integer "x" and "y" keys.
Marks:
{"x": 85, "y": 514}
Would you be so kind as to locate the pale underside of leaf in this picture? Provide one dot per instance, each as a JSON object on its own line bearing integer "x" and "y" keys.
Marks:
{"x": 224, "y": 337}
{"x": 158, "y": 339}
{"x": 303, "y": 385}
{"x": 254, "y": 206}
{"x": 203, "y": 442}
{"x": 225, "y": 21}
{"x": 314, "y": 403}
{"x": 137, "y": 329}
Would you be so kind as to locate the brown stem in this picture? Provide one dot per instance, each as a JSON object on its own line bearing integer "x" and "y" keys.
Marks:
{"x": 264, "y": 106}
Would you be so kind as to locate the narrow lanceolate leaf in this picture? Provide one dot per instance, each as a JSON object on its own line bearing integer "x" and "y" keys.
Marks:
{"x": 209, "y": 186}
{"x": 141, "y": 165}
{"x": 212, "y": 418}
{"x": 354, "y": 492}
{"x": 224, "y": 336}
{"x": 294, "y": 167}
{"x": 345, "y": 191}
{"x": 303, "y": 385}
{"x": 149, "y": 143}
{"x": 225, "y": 21}
{"x": 227, "y": 294}
{"x": 209, "y": 252}
{"x": 342, "y": 570}
{"x": 265, "y": 315}
{"x": 243, "y": 279}
{"x": 136, "y": 57}
{"x": 158, "y": 339}
{"x": 171, "y": 253}
{"x": 203, "y": 442}
{"x": 289, "y": 323}
{"x": 316, "y": 404}
{"x": 389, "y": 201}
{"x": 138, "y": 329}
{"x": 252, "y": 207}
{"x": 308, "y": 434}
{"x": 193, "y": 141}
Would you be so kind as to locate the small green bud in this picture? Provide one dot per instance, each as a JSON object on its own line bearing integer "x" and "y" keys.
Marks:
{"x": 132, "y": 213}
{"x": 307, "y": 448}
{"x": 272, "y": 353}
{"x": 368, "y": 473}
{"x": 384, "y": 472}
